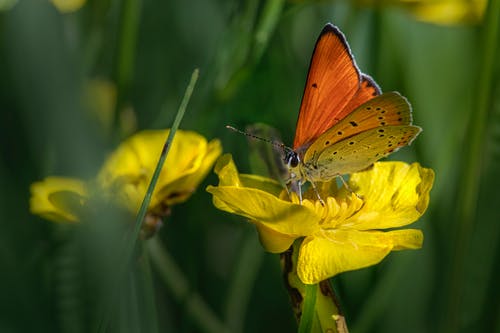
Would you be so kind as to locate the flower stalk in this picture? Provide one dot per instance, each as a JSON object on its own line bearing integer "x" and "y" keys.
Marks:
{"x": 315, "y": 305}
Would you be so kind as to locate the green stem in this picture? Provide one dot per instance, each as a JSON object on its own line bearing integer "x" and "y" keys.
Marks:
{"x": 239, "y": 291}
{"x": 315, "y": 306}
{"x": 271, "y": 13}
{"x": 177, "y": 284}
{"x": 374, "y": 40}
{"x": 308, "y": 309}
{"x": 127, "y": 40}
{"x": 146, "y": 301}
{"x": 472, "y": 162}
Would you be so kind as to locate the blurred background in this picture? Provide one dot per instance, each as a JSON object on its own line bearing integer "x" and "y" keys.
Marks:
{"x": 77, "y": 77}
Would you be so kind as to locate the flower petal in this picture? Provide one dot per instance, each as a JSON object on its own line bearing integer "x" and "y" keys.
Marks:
{"x": 337, "y": 251}
{"x": 58, "y": 199}
{"x": 261, "y": 205}
{"x": 278, "y": 215}
{"x": 394, "y": 194}
{"x": 227, "y": 171}
{"x": 228, "y": 176}
{"x": 273, "y": 241}
{"x": 179, "y": 190}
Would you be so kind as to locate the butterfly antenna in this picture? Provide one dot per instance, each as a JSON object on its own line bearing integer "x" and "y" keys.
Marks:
{"x": 274, "y": 143}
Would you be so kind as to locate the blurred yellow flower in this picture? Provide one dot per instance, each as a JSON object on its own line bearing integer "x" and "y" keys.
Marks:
{"x": 68, "y": 6}
{"x": 58, "y": 199}
{"x": 447, "y": 12}
{"x": 100, "y": 98}
{"x": 345, "y": 234}
{"x": 125, "y": 176}
{"x": 127, "y": 172}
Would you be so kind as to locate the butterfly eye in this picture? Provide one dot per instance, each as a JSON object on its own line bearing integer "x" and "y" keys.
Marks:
{"x": 292, "y": 159}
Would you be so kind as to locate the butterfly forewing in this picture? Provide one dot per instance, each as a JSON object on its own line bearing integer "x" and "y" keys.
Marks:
{"x": 368, "y": 90}
{"x": 389, "y": 109}
{"x": 332, "y": 81}
{"x": 360, "y": 151}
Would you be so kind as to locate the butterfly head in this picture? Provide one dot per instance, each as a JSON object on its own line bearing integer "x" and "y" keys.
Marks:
{"x": 292, "y": 161}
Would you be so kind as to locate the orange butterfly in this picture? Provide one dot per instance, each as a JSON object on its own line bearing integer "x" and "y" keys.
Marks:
{"x": 345, "y": 123}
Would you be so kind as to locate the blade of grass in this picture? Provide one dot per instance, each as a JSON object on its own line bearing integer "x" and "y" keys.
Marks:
{"x": 146, "y": 297}
{"x": 268, "y": 20}
{"x": 131, "y": 241}
{"x": 127, "y": 39}
{"x": 244, "y": 277}
{"x": 472, "y": 163}
{"x": 159, "y": 166}
{"x": 177, "y": 284}
{"x": 249, "y": 46}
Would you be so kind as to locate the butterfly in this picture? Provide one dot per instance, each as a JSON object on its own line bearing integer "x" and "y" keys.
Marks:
{"x": 345, "y": 122}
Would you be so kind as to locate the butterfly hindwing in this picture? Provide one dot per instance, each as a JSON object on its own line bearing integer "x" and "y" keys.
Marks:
{"x": 360, "y": 151}
{"x": 389, "y": 109}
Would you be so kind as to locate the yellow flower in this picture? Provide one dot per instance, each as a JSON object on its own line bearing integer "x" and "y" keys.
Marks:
{"x": 127, "y": 172}
{"x": 58, "y": 199}
{"x": 449, "y": 12}
{"x": 345, "y": 234}
{"x": 445, "y": 12}
{"x": 68, "y": 6}
{"x": 125, "y": 176}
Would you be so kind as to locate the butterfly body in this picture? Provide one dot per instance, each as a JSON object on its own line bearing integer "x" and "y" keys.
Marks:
{"x": 345, "y": 124}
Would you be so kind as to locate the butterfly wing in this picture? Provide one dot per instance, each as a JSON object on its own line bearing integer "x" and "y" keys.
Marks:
{"x": 368, "y": 90}
{"x": 333, "y": 83}
{"x": 360, "y": 151}
{"x": 389, "y": 109}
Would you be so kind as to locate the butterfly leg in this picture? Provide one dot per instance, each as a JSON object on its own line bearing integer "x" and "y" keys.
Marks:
{"x": 348, "y": 187}
{"x": 299, "y": 183}
{"x": 288, "y": 189}
{"x": 317, "y": 193}
{"x": 293, "y": 186}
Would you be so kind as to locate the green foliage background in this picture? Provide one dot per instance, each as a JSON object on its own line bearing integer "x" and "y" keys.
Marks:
{"x": 253, "y": 58}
